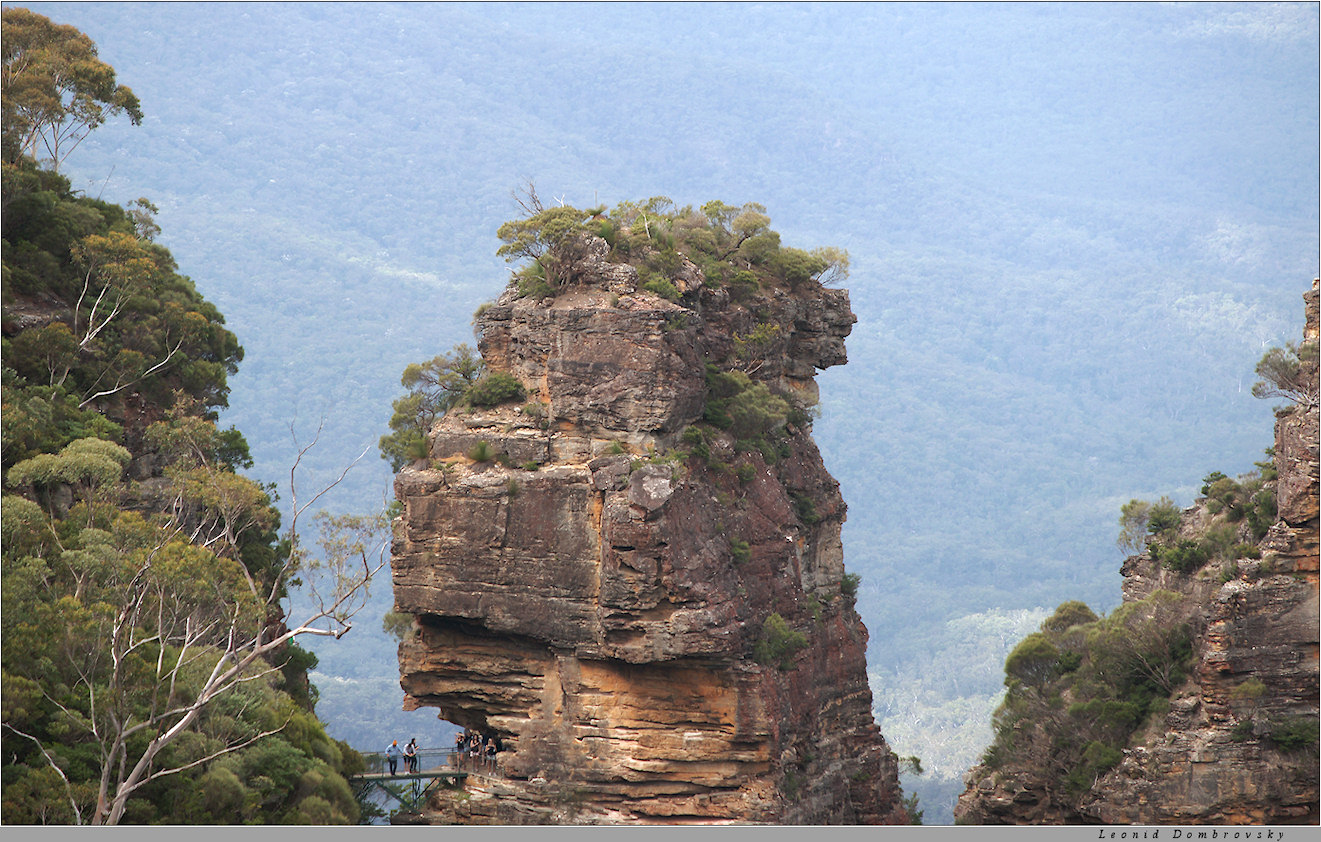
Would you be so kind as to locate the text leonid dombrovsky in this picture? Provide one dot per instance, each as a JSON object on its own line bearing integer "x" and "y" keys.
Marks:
{"x": 1194, "y": 835}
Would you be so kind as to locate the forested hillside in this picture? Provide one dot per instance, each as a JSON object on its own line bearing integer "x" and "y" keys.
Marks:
{"x": 150, "y": 673}
{"x": 1073, "y": 230}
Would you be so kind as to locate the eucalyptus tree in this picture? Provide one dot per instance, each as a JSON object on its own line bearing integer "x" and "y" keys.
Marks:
{"x": 135, "y": 652}
{"x": 54, "y": 88}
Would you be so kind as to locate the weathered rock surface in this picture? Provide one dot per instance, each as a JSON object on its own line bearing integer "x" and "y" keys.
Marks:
{"x": 594, "y": 600}
{"x": 1210, "y": 761}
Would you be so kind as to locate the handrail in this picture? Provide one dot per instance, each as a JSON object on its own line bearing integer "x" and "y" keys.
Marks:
{"x": 482, "y": 765}
{"x": 376, "y": 760}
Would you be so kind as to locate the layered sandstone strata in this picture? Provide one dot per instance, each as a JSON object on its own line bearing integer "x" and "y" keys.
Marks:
{"x": 592, "y": 591}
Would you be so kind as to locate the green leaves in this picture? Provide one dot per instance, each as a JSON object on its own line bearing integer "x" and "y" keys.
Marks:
{"x": 434, "y": 387}
{"x": 55, "y": 89}
{"x": 1290, "y": 373}
{"x": 745, "y": 407}
{"x": 1033, "y": 661}
{"x": 87, "y": 464}
{"x": 1081, "y": 685}
{"x": 778, "y": 643}
{"x": 493, "y": 389}
{"x": 546, "y": 239}
{"x": 726, "y": 242}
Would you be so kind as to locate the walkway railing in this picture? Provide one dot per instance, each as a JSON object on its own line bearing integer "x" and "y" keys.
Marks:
{"x": 410, "y": 789}
{"x": 434, "y": 758}
{"x": 427, "y": 758}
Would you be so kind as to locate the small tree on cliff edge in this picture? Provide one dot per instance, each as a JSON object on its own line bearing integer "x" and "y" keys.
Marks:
{"x": 1290, "y": 373}
{"x": 434, "y": 387}
{"x": 545, "y": 238}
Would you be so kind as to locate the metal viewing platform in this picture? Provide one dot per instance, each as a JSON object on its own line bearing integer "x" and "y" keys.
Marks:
{"x": 410, "y": 789}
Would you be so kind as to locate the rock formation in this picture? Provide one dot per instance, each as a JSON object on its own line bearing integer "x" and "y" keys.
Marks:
{"x": 1219, "y": 755}
{"x": 596, "y": 575}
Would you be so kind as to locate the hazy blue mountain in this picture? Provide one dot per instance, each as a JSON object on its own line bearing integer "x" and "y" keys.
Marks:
{"x": 1074, "y": 230}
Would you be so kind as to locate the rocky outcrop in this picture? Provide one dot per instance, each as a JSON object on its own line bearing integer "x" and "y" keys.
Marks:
{"x": 592, "y": 585}
{"x": 1232, "y": 748}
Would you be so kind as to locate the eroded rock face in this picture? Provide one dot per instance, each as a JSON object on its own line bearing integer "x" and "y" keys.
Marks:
{"x": 594, "y": 599}
{"x": 1211, "y": 759}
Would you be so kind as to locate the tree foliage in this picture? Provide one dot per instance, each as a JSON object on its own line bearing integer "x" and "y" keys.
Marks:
{"x": 778, "y": 643}
{"x": 1081, "y": 685}
{"x": 731, "y": 245}
{"x": 1290, "y": 373}
{"x": 54, "y": 88}
{"x": 434, "y": 387}
{"x": 119, "y": 325}
{"x": 1240, "y": 513}
{"x": 151, "y": 671}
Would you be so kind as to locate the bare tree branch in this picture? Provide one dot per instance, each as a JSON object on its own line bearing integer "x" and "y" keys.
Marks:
{"x": 68, "y": 787}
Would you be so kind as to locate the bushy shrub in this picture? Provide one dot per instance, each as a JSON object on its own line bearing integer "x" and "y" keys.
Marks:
{"x": 848, "y": 586}
{"x": 1078, "y": 689}
{"x": 532, "y": 282}
{"x": 744, "y": 285}
{"x": 1295, "y": 734}
{"x": 745, "y": 407}
{"x": 695, "y": 439}
{"x": 778, "y": 643}
{"x": 1069, "y": 662}
{"x": 740, "y": 550}
{"x": 494, "y": 389}
{"x": 1261, "y": 512}
{"x": 1097, "y": 759}
{"x": 1244, "y": 498}
{"x": 1069, "y": 614}
{"x": 1242, "y": 731}
{"x": 1186, "y": 556}
{"x": 663, "y": 288}
{"x": 806, "y": 509}
{"x": 480, "y": 452}
{"x": 1164, "y": 517}
{"x": 1033, "y": 661}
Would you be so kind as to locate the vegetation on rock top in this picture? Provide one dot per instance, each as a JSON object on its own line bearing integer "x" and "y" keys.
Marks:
{"x": 732, "y": 246}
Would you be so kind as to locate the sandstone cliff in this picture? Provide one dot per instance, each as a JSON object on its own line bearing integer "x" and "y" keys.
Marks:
{"x": 596, "y": 590}
{"x": 1237, "y": 740}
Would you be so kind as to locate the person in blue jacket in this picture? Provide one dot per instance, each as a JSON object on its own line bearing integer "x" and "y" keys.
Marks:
{"x": 392, "y": 755}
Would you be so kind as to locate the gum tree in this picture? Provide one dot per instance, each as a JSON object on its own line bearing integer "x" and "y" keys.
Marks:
{"x": 54, "y": 88}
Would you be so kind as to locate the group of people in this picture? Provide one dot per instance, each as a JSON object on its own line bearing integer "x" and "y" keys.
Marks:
{"x": 472, "y": 751}
{"x": 479, "y": 751}
{"x": 408, "y": 752}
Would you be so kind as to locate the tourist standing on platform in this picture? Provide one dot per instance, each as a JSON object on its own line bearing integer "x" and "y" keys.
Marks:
{"x": 410, "y": 756}
{"x": 392, "y": 755}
